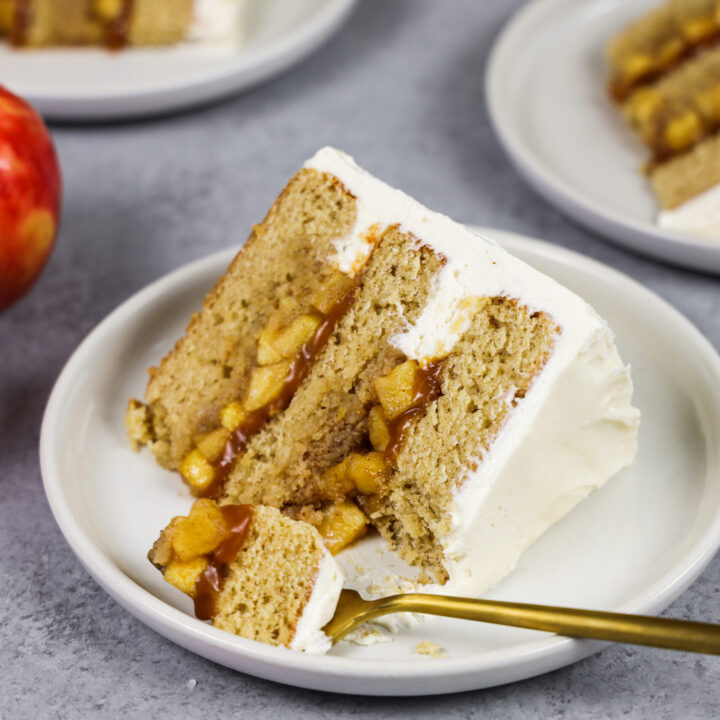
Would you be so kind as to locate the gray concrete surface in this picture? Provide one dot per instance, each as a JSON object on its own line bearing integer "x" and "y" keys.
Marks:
{"x": 401, "y": 88}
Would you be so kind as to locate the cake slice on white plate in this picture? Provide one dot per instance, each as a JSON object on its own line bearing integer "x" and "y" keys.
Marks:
{"x": 665, "y": 78}
{"x": 367, "y": 363}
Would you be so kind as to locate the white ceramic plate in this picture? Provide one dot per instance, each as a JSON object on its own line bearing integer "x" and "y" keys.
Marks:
{"x": 93, "y": 84}
{"x": 634, "y": 545}
{"x": 546, "y": 96}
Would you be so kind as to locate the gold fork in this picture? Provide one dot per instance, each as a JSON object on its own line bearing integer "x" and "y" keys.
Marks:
{"x": 700, "y": 637}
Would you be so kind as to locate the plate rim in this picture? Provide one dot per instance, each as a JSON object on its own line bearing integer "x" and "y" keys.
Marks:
{"x": 693, "y": 252}
{"x": 249, "y": 67}
{"x": 378, "y": 677}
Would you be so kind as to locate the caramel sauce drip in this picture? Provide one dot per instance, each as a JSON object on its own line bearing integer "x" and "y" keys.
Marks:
{"x": 117, "y": 31}
{"x": 297, "y": 373}
{"x": 208, "y": 586}
{"x": 426, "y": 389}
{"x": 620, "y": 91}
{"x": 21, "y": 21}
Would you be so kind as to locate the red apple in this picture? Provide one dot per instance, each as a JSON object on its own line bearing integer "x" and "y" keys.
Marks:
{"x": 30, "y": 190}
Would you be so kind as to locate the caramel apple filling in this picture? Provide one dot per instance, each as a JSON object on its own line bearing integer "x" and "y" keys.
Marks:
{"x": 404, "y": 394}
{"x": 111, "y": 17}
{"x": 286, "y": 350}
{"x": 116, "y": 15}
{"x": 672, "y": 126}
{"x": 194, "y": 551}
{"x": 679, "y": 36}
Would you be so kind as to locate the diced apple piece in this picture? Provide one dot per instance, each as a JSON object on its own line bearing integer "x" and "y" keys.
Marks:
{"x": 709, "y": 102}
{"x": 378, "y": 428}
{"x": 367, "y": 471}
{"x": 201, "y": 531}
{"x": 266, "y": 353}
{"x": 337, "y": 480}
{"x": 683, "y": 130}
{"x": 643, "y": 105}
{"x": 331, "y": 292}
{"x": 162, "y": 550}
{"x": 184, "y": 575}
{"x": 212, "y": 444}
{"x": 197, "y": 471}
{"x": 232, "y": 415}
{"x": 288, "y": 341}
{"x": 266, "y": 383}
{"x": 699, "y": 29}
{"x": 107, "y": 9}
{"x": 342, "y": 525}
{"x": 396, "y": 390}
{"x": 637, "y": 65}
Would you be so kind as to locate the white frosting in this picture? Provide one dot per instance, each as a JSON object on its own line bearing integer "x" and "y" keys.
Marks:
{"x": 565, "y": 442}
{"x": 218, "y": 21}
{"x": 319, "y": 609}
{"x": 698, "y": 216}
{"x": 571, "y": 432}
{"x": 475, "y": 267}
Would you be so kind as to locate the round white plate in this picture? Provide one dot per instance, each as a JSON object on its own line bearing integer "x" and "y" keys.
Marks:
{"x": 634, "y": 545}
{"x": 93, "y": 84}
{"x": 546, "y": 95}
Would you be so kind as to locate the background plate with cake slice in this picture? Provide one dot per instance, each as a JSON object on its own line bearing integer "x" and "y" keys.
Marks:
{"x": 109, "y": 59}
{"x": 634, "y": 545}
{"x": 610, "y": 110}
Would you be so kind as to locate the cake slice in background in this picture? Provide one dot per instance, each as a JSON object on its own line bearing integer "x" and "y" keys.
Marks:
{"x": 665, "y": 76}
{"x": 367, "y": 361}
{"x": 253, "y": 572}
{"x": 120, "y": 23}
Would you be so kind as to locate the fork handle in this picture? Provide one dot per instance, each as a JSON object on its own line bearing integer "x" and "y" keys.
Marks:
{"x": 616, "y": 627}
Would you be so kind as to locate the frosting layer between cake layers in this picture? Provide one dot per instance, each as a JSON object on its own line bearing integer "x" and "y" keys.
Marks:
{"x": 571, "y": 432}
{"x": 319, "y": 609}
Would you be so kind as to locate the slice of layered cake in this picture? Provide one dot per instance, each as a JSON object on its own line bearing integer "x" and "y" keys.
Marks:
{"x": 253, "y": 572}
{"x": 366, "y": 362}
{"x": 665, "y": 76}
{"x": 119, "y": 23}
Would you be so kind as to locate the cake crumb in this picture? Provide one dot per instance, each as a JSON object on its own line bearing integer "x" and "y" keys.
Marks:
{"x": 429, "y": 648}
{"x": 191, "y": 683}
{"x": 367, "y": 635}
{"x": 137, "y": 424}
